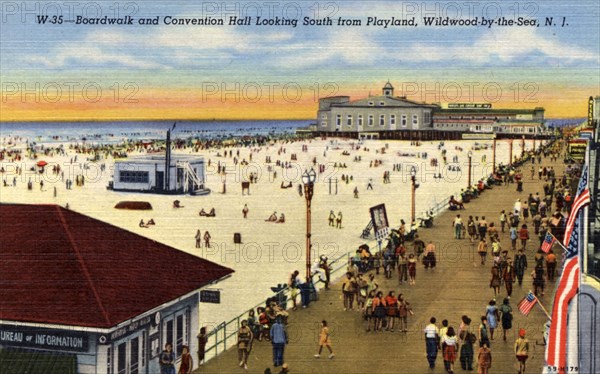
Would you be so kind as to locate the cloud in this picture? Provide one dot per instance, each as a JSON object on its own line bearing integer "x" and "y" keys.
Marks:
{"x": 502, "y": 47}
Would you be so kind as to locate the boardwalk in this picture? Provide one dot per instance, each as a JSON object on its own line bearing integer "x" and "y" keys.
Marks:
{"x": 459, "y": 285}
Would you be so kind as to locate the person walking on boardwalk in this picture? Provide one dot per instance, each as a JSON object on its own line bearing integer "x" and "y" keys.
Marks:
{"x": 503, "y": 220}
{"x": 412, "y": 269}
{"x": 458, "y": 225}
{"x": 520, "y": 266}
{"x": 331, "y": 218}
{"x": 482, "y": 227}
{"x": 450, "y": 344}
{"x": 508, "y": 275}
{"x": 471, "y": 228}
{"x": 484, "y": 358}
{"x": 467, "y": 339}
{"x": 482, "y": 250}
{"x": 484, "y": 337}
{"x": 432, "y": 337}
{"x": 207, "y": 239}
{"x": 279, "y": 339}
{"x": 370, "y": 184}
{"x": 506, "y": 317}
{"x": 524, "y": 236}
{"x": 324, "y": 340}
{"x": 495, "y": 280}
{"x": 492, "y": 316}
{"x": 245, "y": 211}
{"x": 244, "y": 343}
{"x": 522, "y": 350}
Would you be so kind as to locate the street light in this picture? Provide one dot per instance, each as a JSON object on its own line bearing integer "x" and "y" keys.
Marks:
{"x": 308, "y": 179}
{"x": 413, "y": 179}
{"x": 470, "y": 154}
{"x": 494, "y": 158}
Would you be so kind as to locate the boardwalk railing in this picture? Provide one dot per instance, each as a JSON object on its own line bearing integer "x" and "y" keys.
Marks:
{"x": 224, "y": 335}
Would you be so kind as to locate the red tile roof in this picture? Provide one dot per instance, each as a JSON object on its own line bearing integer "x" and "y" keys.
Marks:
{"x": 61, "y": 267}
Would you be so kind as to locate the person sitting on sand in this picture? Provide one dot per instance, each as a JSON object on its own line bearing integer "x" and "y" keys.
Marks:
{"x": 285, "y": 186}
{"x": 176, "y": 204}
{"x": 150, "y": 222}
{"x": 281, "y": 218}
{"x": 272, "y": 218}
{"x": 212, "y": 213}
{"x": 142, "y": 224}
{"x": 202, "y": 213}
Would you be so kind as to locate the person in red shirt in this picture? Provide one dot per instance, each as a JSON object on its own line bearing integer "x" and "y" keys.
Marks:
{"x": 391, "y": 303}
{"x": 524, "y": 236}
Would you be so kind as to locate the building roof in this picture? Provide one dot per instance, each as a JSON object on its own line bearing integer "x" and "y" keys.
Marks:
{"x": 61, "y": 267}
{"x": 388, "y": 101}
{"x": 388, "y": 85}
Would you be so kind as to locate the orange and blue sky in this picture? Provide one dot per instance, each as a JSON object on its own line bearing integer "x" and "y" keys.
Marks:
{"x": 95, "y": 72}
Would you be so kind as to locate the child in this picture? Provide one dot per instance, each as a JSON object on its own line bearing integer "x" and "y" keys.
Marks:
{"x": 324, "y": 340}
{"x": 484, "y": 357}
{"x": 412, "y": 269}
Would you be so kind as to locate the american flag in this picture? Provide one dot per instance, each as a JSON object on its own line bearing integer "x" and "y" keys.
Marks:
{"x": 556, "y": 350}
{"x": 548, "y": 242}
{"x": 527, "y": 303}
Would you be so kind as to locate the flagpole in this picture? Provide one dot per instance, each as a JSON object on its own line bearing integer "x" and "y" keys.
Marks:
{"x": 557, "y": 241}
{"x": 544, "y": 309}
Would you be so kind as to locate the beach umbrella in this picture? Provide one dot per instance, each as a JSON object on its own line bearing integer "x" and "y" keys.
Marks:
{"x": 42, "y": 163}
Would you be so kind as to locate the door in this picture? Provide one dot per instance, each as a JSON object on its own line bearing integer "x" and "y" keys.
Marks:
{"x": 122, "y": 358}
{"x": 160, "y": 181}
{"x": 131, "y": 355}
{"x": 134, "y": 354}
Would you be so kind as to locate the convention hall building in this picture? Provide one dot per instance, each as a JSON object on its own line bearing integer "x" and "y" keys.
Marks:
{"x": 395, "y": 117}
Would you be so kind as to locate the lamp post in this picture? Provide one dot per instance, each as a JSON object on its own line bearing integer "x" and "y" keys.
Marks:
{"x": 470, "y": 155}
{"x": 494, "y": 158}
{"x": 413, "y": 179}
{"x": 510, "y": 159}
{"x": 522, "y": 147}
{"x": 308, "y": 179}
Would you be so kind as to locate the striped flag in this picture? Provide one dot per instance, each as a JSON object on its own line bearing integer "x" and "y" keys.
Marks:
{"x": 581, "y": 200}
{"x": 556, "y": 349}
{"x": 527, "y": 303}
{"x": 548, "y": 242}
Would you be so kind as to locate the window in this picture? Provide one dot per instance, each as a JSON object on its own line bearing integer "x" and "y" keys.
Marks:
{"x": 382, "y": 103}
{"x": 393, "y": 119}
{"x": 403, "y": 120}
{"x": 349, "y": 120}
{"x": 382, "y": 120}
{"x": 427, "y": 118}
{"x": 360, "y": 120}
{"x": 324, "y": 116}
{"x": 415, "y": 119}
{"x": 338, "y": 120}
{"x": 371, "y": 103}
{"x": 371, "y": 120}
{"x": 324, "y": 123}
{"x": 108, "y": 362}
{"x": 133, "y": 176}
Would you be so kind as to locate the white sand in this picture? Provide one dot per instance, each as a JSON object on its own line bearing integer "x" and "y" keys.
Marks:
{"x": 270, "y": 252}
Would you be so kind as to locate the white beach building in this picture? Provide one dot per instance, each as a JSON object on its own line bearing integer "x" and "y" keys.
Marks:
{"x": 149, "y": 173}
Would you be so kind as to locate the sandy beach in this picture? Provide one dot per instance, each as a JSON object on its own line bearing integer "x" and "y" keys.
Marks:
{"x": 269, "y": 251}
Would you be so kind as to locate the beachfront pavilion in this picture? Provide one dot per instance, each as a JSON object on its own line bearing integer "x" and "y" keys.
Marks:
{"x": 149, "y": 173}
{"x": 80, "y": 295}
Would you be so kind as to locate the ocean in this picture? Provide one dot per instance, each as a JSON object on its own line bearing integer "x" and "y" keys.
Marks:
{"x": 117, "y": 131}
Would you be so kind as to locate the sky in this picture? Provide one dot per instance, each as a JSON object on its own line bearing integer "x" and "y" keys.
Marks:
{"x": 70, "y": 71}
